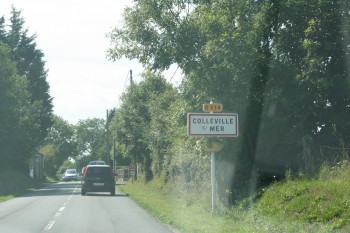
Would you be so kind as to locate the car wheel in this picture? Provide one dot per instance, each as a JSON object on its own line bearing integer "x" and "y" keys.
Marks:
{"x": 113, "y": 192}
{"x": 83, "y": 192}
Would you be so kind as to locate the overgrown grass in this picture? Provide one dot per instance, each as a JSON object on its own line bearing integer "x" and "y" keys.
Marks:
{"x": 6, "y": 198}
{"x": 320, "y": 204}
{"x": 181, "y": 213}
{"x": 13, "y": 184}
{"x": 324, "y": 200}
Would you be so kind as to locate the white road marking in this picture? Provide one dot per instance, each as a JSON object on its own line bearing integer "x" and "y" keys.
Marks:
{"x": 60, "y": 210}
{"x": 49, "y": 225}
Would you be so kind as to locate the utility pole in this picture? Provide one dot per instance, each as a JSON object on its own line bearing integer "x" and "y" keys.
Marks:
{"x": 131, "y": 77}
{"x": 107, "y": 143}
{"x": 114, "y": 157}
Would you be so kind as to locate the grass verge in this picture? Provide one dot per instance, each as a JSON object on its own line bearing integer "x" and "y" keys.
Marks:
{"x": 173, "y": 211}
{"x": 292, "y": 205}
{"x": 14, "y": 184}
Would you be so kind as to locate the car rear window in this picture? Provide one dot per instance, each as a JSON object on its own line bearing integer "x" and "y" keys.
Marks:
{"x": 98, "y": 172}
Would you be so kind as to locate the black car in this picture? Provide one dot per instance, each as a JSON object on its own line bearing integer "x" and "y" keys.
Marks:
{"x": 98, "y": 178}
{"x": 97, "y": 162}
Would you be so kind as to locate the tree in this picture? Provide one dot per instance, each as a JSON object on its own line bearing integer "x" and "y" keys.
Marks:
{"x": 2, "y": 30}
{"x": 50, "y": 162}
{"x": 209, "y": 47}
{"x": 134, "y": 118}
{"x": 59, "y": 145}
{"x": 280, "y": 64}
{"x": 307, "y": 75}
{"x": 26, "y": 104}
{"x": 90, "y": 138}
{"x": 326, "y": 75}
{"x": 158, "y": 34}
{"x": 30, "y": 62}
{"x": 18, "y": 116}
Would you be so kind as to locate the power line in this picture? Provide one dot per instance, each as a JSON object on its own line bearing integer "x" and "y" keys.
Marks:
{"x": 173, "y": 74}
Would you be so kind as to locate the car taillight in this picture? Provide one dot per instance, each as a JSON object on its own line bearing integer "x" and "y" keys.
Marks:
{"x": 85, "y": 171}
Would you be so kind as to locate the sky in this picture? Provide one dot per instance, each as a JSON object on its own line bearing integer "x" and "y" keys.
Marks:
{"x": 72, "y": 35}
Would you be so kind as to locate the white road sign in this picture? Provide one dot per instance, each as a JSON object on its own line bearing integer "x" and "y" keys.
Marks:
{"x": 212, "y": 124}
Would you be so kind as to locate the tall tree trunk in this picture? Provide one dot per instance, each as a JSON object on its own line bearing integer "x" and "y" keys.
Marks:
{"x": 244, "y": 177}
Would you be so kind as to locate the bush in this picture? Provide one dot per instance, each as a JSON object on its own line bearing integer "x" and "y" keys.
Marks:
{"x": 13, "y": 182}
{"x": 341, "y": 171}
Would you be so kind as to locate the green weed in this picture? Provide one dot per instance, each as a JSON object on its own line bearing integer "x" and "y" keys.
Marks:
{"x": 13, "y": 184}
{"x": 297, "y": 204}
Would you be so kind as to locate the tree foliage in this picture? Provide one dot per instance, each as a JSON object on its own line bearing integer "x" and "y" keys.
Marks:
{"x": 25, "y": 109}
{"x": 282, "y": 65}
{"x": 158, "y": 34}
{"x": 90, "y": 135}
{"x": 135, "y": 128}
{"x": 59, "y": 145}
{"x": 18, "y": 116}
{"x": 30, "y": 62}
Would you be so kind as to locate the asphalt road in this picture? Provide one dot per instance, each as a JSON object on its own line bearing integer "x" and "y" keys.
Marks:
{"x": 60, "y": 208}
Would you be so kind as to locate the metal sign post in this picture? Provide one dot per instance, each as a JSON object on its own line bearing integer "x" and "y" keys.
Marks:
{"x": 212, "y": 125}
{"x": 213, "y": 182}
{"x": 213, "y": 172}
{"x": 211, "y": 108}
{"x": 132, "y": 171}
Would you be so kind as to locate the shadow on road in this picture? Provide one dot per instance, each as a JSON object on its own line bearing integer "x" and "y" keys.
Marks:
{"x": 57, "y": 189}
{"x": 106, "y": 195}
{"x": 67, "y": 189}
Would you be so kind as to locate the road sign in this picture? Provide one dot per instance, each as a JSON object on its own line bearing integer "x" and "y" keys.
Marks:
{"x": 213, "y": 147}
{"x": 212, "y": 107}
{"x": 212, "y": 124}
{"x": 132, "y": 167}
